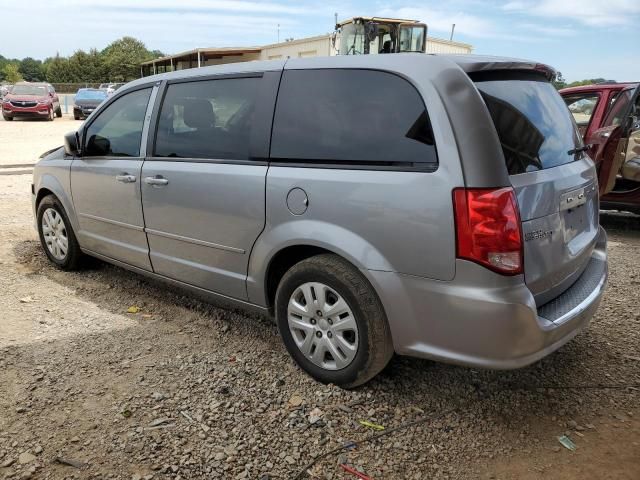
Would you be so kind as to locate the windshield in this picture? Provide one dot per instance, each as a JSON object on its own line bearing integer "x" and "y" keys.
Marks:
{"x": 535, "y": 127}
{"x": 29, "y": 90}
{"x": 91, "y": 95}
{"x": 352, "y": 39}
{"x": 412, "y": 39}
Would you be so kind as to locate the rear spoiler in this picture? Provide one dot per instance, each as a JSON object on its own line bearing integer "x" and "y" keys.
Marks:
{"x": 471, "y": 64}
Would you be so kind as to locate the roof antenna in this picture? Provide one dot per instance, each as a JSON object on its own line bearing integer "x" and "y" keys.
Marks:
{"x": 278, "y": 33}
{"x": 453, "y": 27}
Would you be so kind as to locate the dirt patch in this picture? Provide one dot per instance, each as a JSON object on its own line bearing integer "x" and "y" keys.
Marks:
{"x": 182, "y": 389}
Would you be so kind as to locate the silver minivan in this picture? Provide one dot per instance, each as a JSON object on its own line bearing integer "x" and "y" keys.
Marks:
{"x": 440, "y": 207}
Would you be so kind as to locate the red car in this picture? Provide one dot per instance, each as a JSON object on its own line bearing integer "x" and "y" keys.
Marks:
{"x": 608, "y": 117}
{"x": 35, "y": 100}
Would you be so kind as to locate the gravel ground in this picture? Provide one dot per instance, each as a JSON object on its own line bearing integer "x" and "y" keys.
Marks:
{"x": 22, "y": 141}
{"x": 182, "y": 389}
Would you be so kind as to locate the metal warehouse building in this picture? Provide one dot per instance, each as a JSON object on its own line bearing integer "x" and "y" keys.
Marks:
{"x": 305, "y": 47}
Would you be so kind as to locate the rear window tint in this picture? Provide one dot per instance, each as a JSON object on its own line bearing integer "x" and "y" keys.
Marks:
{"x": 535, "y": 128}
{"x": 361, "y": 117}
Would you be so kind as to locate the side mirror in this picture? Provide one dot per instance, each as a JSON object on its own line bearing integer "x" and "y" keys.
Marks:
{"x": 72, "y": 144}
{"x": 51, "y": 94}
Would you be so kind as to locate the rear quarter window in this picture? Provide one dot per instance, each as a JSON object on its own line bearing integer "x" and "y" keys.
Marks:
{"x": 534, "y": 125}
{"x": 351, "y": 117}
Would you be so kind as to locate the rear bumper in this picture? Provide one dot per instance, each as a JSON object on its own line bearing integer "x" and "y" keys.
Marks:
{"x": 482, "y": 319}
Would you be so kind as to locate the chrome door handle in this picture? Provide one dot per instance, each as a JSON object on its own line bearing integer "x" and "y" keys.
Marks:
{"x": 157, "y": 181}
{"x": 126, "y": 178}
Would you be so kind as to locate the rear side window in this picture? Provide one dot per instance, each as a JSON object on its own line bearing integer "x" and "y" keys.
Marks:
{"x": 357, "y": 117}
{"x": 208, "y": 119}
{"x": 534, "y": 126}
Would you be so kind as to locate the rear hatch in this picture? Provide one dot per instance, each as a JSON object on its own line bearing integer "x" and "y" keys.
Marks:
{"x": 554, "y": 180}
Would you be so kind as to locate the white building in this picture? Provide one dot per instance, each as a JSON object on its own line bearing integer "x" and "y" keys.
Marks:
{"x": 318, "y": 46}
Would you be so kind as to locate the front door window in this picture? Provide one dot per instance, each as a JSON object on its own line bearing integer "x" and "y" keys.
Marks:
{"x": 117, "y": 131}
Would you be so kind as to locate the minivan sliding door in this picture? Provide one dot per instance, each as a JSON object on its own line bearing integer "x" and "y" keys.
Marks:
{"x": 203, "y": 184}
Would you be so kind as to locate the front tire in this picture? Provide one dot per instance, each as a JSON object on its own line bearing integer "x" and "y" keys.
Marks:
{"x": 56, "y": 234}
{"x": 8, "y": 118}
{"x": 59, "y": 112}
{"x": 332, "y": 322}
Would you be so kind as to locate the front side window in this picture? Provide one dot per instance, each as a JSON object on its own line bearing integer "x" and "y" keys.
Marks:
{"x": 117, "y": 131}
{"x": 351, "y": 117}
{"x": 209, "y": 119}
{"x": 412, "y": 38}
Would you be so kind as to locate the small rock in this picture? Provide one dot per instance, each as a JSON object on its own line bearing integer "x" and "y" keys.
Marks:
{"x": 229, "y": 450}
{"x": 289, "y": 459}
{"x": 556, "y": 449}
{"x": 26, "y": 457}
{"x": 157, "y": 396}
{"x": 75, "y": 439}
{"x": 38, "y": 450}
{"x": 8, "y": 462}
{"x": 20, "y": 409}
{"x": 572, "y": 423}
{"x": 315, "y": 415}
{"x": 220, "y": 456}
{"x": 26, "y": 300}
{"x": 159, "y": 421}
{"x": 295, "y": 401}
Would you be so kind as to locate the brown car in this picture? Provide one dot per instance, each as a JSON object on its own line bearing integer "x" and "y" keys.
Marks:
{"x": 608, "y": 117}
{"x": 31, "y": 100}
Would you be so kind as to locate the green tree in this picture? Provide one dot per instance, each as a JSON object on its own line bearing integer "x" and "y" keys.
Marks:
{"x": 559, "y": 81}
{"x": 122, "y": 59}
{"x": 31, "y": 70}
{"x": 87, "y": 67}
{"x": 58, "y": 70}
{"x": 11, "y": 73}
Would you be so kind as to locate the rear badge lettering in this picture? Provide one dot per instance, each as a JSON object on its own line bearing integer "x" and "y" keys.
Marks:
{"x": 537, "y": 235}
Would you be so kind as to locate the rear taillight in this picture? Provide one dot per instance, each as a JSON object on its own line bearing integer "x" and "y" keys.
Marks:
{"x": 488, "y": 228}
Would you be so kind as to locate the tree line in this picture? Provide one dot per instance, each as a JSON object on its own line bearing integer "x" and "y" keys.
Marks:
{"x": 118, "y": 62}
{"x": 559, "y": 82}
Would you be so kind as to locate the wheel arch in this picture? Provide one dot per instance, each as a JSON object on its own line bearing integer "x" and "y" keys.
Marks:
{"x": 48, "y": 184}
{"x": 279, "y": 249}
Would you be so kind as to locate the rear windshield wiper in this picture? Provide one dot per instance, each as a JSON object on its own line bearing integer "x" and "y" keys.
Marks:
{"x": 578, "y": 150}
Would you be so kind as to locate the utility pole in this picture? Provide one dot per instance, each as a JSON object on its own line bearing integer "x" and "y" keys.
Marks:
{"x": 278, "y": 33}
{"x": 453, "y": 27}
{"x": 335, "y": 16}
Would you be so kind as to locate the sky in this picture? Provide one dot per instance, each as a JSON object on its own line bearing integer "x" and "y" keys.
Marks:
{"x": 580, "y": 38}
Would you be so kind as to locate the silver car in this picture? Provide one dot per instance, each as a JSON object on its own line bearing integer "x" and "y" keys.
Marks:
{"x": 440, "y": 207}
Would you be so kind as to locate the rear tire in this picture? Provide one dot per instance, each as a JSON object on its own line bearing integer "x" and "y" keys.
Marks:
{"x": 8, "y": 118}
{"x": 56, "y": 235}
{"x": 76, "y": 117}
{"x": 59, "y": 112}
{"x": 326, "y": 340}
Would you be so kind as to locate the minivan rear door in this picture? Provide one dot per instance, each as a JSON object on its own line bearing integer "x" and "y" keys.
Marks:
{"x": 554, "y": 180}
